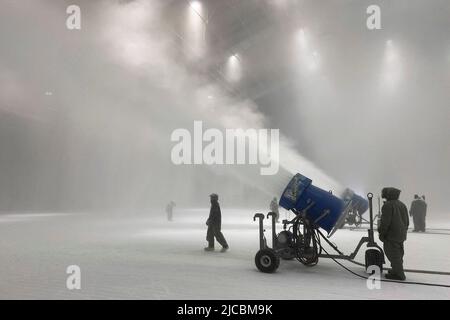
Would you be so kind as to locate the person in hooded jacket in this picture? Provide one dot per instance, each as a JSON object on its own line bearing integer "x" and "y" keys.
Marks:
{"x": 418, "y": 212}
{"x": 422, "y": 215}
{"x": 392, "y": 231}
{"x": 214, "y": 224}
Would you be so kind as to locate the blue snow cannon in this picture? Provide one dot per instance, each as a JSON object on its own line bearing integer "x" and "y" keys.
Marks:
{"x": 301, "y": 237}
{"x": 356, "y": 207}
{"x": 322, "y": 208}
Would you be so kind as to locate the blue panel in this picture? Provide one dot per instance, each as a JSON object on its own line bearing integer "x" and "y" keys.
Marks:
{"x": 300, "y": 193}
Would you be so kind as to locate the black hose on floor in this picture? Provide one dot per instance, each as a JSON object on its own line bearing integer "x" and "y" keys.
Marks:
{"x": 313, "y": 234}
{"x": 384, "y": 280}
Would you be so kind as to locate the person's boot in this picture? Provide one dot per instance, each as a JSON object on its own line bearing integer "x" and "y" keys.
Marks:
{"x": 224, "y": 249}
{"x": 209, "y": 249}
{"x": 393, "y": 276}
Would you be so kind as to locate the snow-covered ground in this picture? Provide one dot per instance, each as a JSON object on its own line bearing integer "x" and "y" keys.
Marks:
{"x": 139, "y": 257}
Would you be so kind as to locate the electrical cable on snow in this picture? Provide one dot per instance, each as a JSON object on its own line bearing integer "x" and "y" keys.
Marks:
{"x": 315, "y": 235}
{"x": 384, "y": 280}
{"x": 433, "y": 230}
{"x": 441, "y": 273}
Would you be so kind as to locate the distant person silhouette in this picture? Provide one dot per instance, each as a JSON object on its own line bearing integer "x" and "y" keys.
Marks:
{"x": 423, "y": 215}
{"x": 418, "y": 212}
{"x": 274, "y": 208}
{"x": 169, "y": 210}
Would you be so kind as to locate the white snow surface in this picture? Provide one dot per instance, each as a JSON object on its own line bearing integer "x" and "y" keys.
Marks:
{"x": 142, "y": 257}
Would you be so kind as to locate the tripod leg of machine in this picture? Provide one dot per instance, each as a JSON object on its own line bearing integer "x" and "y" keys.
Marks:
{"x": 266, "y": 258}
{"x": 262, "y": 238}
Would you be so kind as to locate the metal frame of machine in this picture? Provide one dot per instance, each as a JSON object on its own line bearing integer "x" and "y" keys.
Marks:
{"x": 357, "y": 206}
{"x": 301, "y": 240}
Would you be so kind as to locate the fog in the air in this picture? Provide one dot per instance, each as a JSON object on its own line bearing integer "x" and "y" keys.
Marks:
{"x": 86, "y": 115}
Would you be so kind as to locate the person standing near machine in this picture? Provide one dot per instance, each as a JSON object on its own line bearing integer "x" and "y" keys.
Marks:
{"x": 392, "y": 231}
{"x": 274, "y": 208}
{"x": 422, "y": 214}
{"x": 414, "y": 212}
{"x": 418, "y": 212}
{"x": 214, "y": 224}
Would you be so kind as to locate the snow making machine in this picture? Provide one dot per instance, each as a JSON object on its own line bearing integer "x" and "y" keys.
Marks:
{"x": 356, "y": 206}
{"x": 301, "y": 238}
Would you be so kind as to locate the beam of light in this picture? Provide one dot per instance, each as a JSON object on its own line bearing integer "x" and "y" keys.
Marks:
{"x": 233, "y": 68}
{"x": 195, "y": 31}
{"x": 391, "y": 68}
{"x": 302, "y": 39}
{"x": 196, "y": 6}
{"x": 126, "y": 31}
{"x": 306, "y": 56}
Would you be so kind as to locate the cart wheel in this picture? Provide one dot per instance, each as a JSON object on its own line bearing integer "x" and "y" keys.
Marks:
{"x": 267, "y": 261}
{"x": 374, "y": 257}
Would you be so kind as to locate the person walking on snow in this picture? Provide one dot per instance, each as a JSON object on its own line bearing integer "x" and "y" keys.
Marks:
{"x": 214, "y": 224}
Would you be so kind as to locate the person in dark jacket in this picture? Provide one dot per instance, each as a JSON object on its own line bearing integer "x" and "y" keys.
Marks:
{"x": 418, "y": 212}
{"x": 413, "y": 210}
{"x": 214, "y": 224}
{"x": 423, "y": 215}
{"x": 392, "y": 231}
